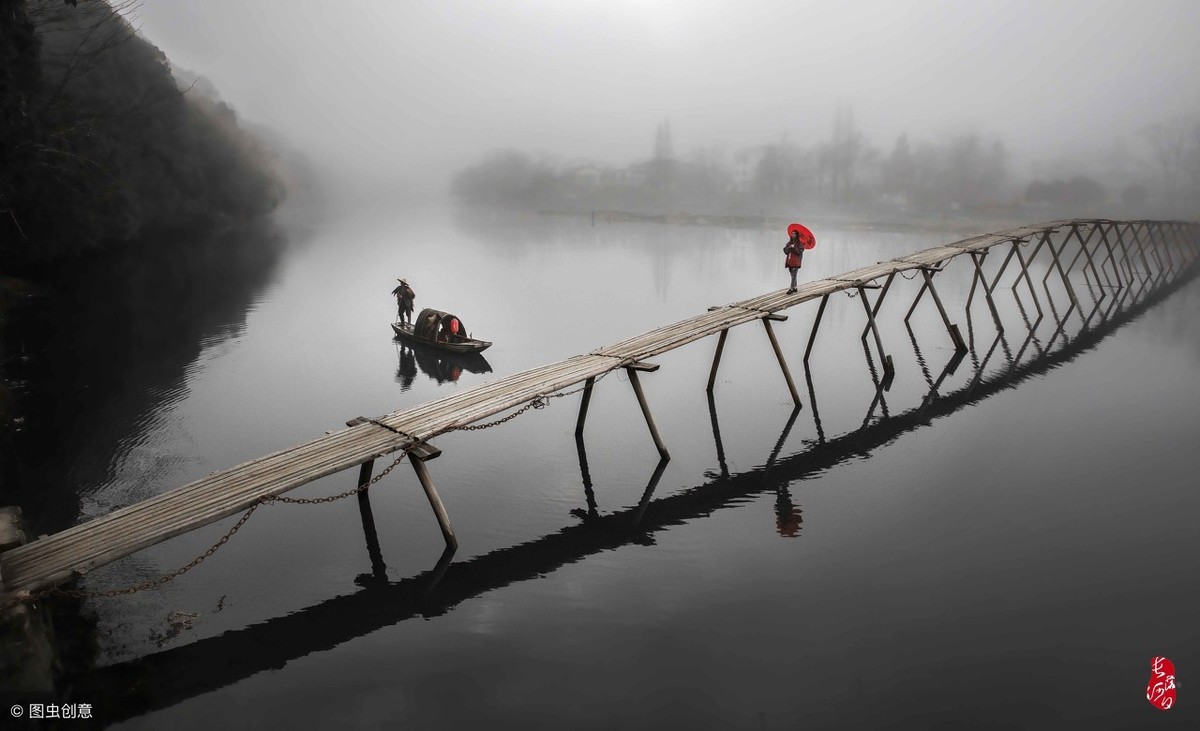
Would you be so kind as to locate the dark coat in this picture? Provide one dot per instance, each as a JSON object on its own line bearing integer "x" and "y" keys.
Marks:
{"x": 795, "y": 254}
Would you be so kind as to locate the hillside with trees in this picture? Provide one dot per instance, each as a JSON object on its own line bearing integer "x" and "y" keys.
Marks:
{"x": 99, "y": 147}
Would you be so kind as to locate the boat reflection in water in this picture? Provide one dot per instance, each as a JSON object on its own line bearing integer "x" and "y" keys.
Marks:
{"x": 439, "y": 365}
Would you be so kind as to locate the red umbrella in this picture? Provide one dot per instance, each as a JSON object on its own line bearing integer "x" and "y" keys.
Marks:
{"x": 806, "y": 236}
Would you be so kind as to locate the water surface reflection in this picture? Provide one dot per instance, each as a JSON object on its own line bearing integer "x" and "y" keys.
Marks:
{"x": 439, "y": 365}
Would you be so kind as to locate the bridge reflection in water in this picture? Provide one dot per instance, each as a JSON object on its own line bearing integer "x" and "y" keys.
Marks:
{"x": 166, "y": 678}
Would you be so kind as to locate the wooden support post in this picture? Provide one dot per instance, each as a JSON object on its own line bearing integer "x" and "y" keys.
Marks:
{"x": 766, "y": 321}
{"x": 951, "y": 328}
{"x": 879, "y": 302}
{"x": 364, "y": 476}
{"x": 1083, "y": 244}
{"x": 1066, "y": 280}
{"x": 1074, "y": 259}
{"x": 583, "y": 405}
{"x": 712, "y": 375}
{"x": 1161, "y": 237}
{"x": 886, "y": 359}
{"x": 1028, "y": 279}
{"x": 987, "y": 294}
{"x": 435, "y": 502}
{"x": 1112, "y": 257}
{"x": 1141, "y": 251}
{"x": 1007, "y": 259}
{"x": 974, "y": 283}
{"x": 641, "y": 397}
{"x": 1153, "y": 255}
{"x": 880, "y": 386}
{"x": 920, "y": 293}
{"x": 1126, "y": 258}
{"x": 816, "y": 323}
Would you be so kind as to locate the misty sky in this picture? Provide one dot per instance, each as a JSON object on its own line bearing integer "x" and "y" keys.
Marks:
{"x": 392, "y": 87}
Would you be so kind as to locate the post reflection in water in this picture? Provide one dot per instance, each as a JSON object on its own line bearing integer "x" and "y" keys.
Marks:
{"x": 592, "y": 512}
{"x": 441, "y": 366}
{"x": 787, "y": 513}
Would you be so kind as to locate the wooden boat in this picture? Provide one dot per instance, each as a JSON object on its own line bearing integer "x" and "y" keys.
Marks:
{"x": 432, "y": 328}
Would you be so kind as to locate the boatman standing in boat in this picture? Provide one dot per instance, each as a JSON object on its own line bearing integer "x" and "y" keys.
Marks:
{"x": 405, "y": 296}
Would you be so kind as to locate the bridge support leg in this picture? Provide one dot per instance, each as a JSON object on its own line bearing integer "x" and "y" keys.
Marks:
{"x": 1028, "y": 279}
{"x": 782, "y": 363}
{"x": 712, "y": 375}
{"x": 583, "y": 405}
{"x": 878, "y": 302}
{"x": 435, "y": 502}
{"x": 1062, "y": 273}
{"x": 1159, "y": 236}
{"x": 987, "y": 293}
{"x": 1126, "y": 258}
{"x": 1082, "y": 251}
{"x": 1003, "y": 266}
{"x": 1137, "y": 239}
{"x": 913, "y": 307}
{"x": 1091, "y": 261}
{"x": 888, "y": 368}
{"x": 641, "y": 397}
{"x": 817, "y": 323}
{"x": 951, "y": 328}
{"x": 1112, "y": 256}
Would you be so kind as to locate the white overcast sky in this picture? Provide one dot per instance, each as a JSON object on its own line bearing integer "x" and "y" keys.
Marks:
{"x": 429, "y": 86}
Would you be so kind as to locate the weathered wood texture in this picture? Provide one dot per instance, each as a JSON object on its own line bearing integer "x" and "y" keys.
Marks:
{"x": 54, "y": 559}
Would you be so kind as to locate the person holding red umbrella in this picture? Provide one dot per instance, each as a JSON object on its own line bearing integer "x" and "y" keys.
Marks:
{"x": 799, "y": 239}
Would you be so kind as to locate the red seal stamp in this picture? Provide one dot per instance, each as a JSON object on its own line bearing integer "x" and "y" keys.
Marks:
{"x": 1160, "y": 691}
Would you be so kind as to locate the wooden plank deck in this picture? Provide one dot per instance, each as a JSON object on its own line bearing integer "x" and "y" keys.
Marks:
{"x": 51, "y": 560}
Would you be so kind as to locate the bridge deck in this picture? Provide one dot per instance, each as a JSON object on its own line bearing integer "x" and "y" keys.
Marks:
{"x": 54, "y": 559}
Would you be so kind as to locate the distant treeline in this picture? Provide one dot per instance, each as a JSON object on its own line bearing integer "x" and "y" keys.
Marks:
{"x": 967, "y": 173}
{"x": 99, "y": 146}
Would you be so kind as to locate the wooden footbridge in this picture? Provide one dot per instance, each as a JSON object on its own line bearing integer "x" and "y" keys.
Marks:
{"x": 1133, "y": 257}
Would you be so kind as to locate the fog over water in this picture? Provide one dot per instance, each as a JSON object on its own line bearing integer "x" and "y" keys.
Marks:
{"x": 414, "y": 91}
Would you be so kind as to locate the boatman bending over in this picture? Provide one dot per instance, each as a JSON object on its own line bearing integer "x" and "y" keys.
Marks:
{"x": 405, "y": 296}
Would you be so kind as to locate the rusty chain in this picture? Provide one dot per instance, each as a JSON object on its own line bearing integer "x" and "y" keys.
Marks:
{"x": 538, "y": 402}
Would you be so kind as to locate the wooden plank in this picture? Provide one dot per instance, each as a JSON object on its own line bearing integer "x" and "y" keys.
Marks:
{"x": 929, "y": 257}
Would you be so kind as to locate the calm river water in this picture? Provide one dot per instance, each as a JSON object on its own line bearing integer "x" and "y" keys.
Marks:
{"x": 1011, "y": 557}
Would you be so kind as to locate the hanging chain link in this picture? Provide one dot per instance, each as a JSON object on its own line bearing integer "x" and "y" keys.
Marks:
{"x": 540, "y": 401}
